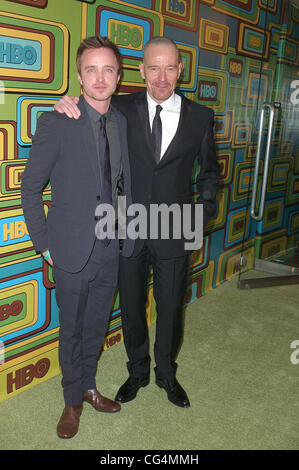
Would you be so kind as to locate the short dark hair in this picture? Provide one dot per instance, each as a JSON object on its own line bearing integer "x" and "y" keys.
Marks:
{"x": 95, "y": 42}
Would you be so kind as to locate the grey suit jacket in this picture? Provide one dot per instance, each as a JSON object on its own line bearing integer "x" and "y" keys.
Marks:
{"x": 64, "y": 152}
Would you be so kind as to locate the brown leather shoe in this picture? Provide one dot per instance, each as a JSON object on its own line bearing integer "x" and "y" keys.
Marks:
{"x": 68, "y": 424}
{"x": 99, "y": 402}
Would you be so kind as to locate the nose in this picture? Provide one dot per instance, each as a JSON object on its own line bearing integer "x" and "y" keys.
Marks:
{"x": 162, "y": 75}
{"x": 100, "y": 76}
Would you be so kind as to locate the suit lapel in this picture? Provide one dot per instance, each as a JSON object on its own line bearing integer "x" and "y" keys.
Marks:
{"x": 183, "y": 124}
{"x": 88, "y": 137}
{"x": 122, "y": 129}
{"x": 142, "y": 110}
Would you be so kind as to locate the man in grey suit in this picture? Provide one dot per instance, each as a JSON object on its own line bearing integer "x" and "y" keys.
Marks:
{"x": 86, "y": 161}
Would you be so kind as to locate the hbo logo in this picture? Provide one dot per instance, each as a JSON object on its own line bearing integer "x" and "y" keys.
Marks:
{"x": 176, "y": 6}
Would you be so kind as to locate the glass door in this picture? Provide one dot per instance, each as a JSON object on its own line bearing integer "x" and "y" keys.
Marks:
{"x": 273, "y": 197}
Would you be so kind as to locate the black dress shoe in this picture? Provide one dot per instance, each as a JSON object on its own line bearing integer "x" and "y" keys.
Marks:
{"x": 176, "y": 394}
{"x": 129, "y": 389}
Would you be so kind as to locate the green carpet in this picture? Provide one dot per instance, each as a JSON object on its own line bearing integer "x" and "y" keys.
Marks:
{"x": 235, "y": 364}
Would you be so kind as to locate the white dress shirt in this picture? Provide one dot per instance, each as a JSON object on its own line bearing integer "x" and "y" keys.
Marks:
{"x": 170, "y": 116}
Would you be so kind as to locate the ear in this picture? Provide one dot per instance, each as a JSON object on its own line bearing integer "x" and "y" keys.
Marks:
{"x": 180, "y": 68}
{"x": 79, "y": 78}
{"x": 141, "y": 69}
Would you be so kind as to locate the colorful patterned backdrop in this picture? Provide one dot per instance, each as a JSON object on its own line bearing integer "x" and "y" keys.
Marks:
{"x": 232, "y": 52}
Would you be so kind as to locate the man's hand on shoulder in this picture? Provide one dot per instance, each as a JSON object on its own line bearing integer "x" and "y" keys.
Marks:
{"x": 47, "y": 257}
{"x": 68, "y": 105}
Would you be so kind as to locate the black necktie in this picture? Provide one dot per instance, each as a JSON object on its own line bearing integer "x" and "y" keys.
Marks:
{"x": 157, "y": 133}
{"x": 105, "y": 169}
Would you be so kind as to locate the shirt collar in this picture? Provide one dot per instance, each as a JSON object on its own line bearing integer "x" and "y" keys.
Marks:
{"x": 93, "y": 114}
{"x": 167, "y": 104}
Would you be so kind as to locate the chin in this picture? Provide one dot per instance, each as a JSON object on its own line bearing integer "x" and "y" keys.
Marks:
{"x": 163, "y": 96}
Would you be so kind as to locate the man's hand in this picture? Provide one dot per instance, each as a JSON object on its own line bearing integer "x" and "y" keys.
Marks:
{"x": 68, "y": 105}
{"x": 48, "y": 259}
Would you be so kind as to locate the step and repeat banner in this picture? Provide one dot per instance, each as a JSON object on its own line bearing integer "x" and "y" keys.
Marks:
{"x": 222, "y": 43}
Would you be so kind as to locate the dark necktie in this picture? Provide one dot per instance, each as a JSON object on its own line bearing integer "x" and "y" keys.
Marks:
{"x": 157, "y": 133}
{"x": 105, "y": 169}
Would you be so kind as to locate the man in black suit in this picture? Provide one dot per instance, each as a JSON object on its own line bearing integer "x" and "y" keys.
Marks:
{"x": 84, "y": 160}
{"x": 161, "y": 170}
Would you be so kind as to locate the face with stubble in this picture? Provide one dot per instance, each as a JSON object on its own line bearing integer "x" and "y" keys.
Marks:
{"x": 160, "y": 69}
{"x": 98, "y": 76}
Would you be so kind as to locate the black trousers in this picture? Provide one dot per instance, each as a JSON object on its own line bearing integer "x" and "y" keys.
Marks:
{"x": 84, "y": 300}
{"x": 169, "y": 288}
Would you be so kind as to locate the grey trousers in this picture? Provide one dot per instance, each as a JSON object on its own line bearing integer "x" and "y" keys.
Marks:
{"x": 84, "y": 300}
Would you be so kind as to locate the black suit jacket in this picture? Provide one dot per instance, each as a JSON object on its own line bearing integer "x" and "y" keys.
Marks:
{"x": 170, "y": 181}
{"x": 64, "y": 152}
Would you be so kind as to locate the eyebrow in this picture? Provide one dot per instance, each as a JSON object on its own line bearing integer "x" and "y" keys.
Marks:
{"x": 156, "y": 65}
{"x": 93, "y": 65}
